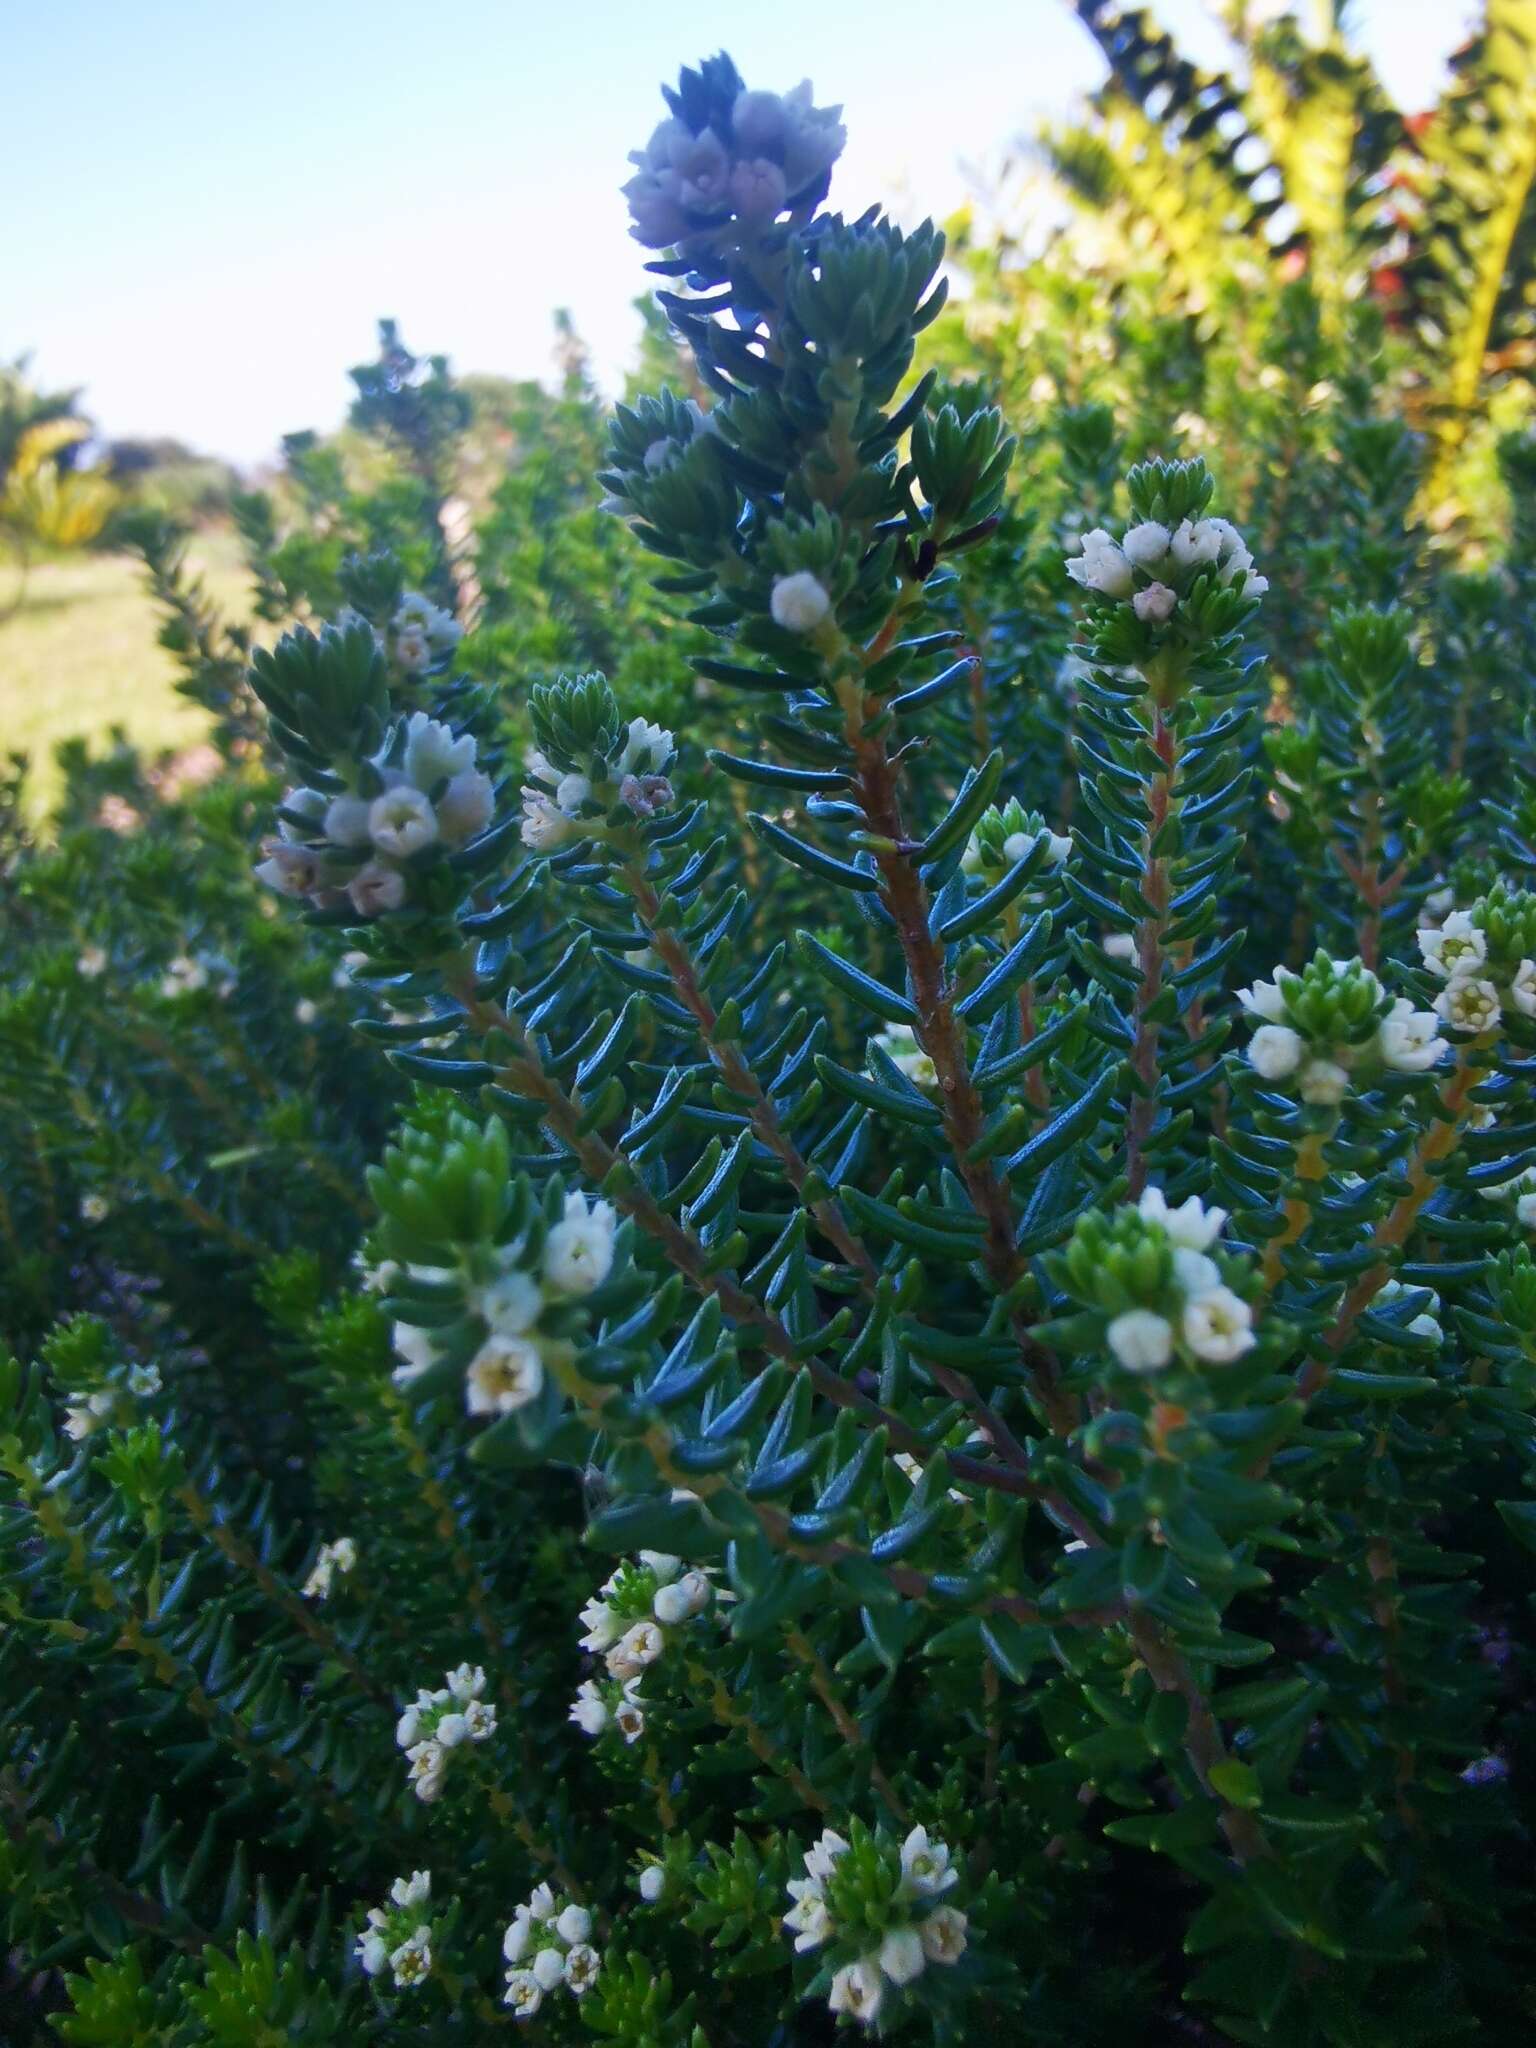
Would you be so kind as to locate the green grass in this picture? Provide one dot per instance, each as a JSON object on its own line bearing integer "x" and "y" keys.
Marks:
{"x": 80, "y": 657}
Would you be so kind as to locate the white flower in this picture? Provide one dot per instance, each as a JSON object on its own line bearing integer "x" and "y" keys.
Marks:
{"x": 1407, "y": 1039}
{"x": 541, "y": 1904}
{"x": 1195, "y": 1274}
{"x": 413, "y": 1890}
{"x": 1120, "y": 945}
{"x": 635, "y": 1649}
{"x": 901, "y": 1955}
{"x": 94, "y": 1208}
{"x": 857, "y": 1990}
{"x": 684, "y": 1598}
{"x": 1141, "y": 1340}
{"x": 925, "y": 1865}
{"x": 652, "y": 1882}
{"x": 346, "y": 820}
{"x": 372, "y": 1948}
{"x": 1218, "y": 1326}
{"x": 799, "y": 602}
{"x": 1522, "y": 988}
{"x": 574, "y": 1925}
{"x": 1525, "y": 1211}
{"x": 758, "y": 190}
{"x": 466, "y": 1682}
{"x": 433, "y": 753}
{"x": 144, "y": 1380}
{"x": 1101, "y": 566}
{"x": 376, "y": 888}
{"x": 661, "y": 1564}
{"x": 578, "y": 1253}
{"x": 419, "y": 616}
{"x": 466, "y": 806}
{"x": 808, "y": 1919}
{"x": 80, "y": 1422}
{"x": 1264, "y": 1000}
{"x": 548, "y": 1968}
{"x": 822, "y": 1854}
{"x": 629, "y": 1715}
{"x": 1154, "y": 604}
{"x": 603, "y": 1626}
{"x": 1193, "y": 544}
{"x": 340, "y": 1556}
{"x": 1456, "y": 950}
{"x": 416, "y": 1352}
{"x": 510, "y": 1305}
{"x": 900, "y": 1046}
{"x": 412, "y": 1961}
{"x": 1275, "y": 1051}
{"x": 572, "y": 791}
{"x": 581, "y": 1968}
{"x": 451, "y": 1730}
{"x": 589, "y": 1710}
{"x": 522, "y": 1993}
{"x": 1424, "y": 1325}
{"x": 519, "y": 1932}
{"x": 183, "y": 977}
{"x": 91, "y": 961}
{"x": 1147, "y": 544}
{"x": 1324, "y": 1083}
{"x": 1469, "y": 1005}
{"x": 428, "y": 1761}
{"x": 544, "y": 825}
{"x": 1191, "y": 1225}
{"x": 401, "y": 822}
{"x": 647, "y": 749}
{"x": 943, "y": 1935}
{"x": 505, "y": 1374}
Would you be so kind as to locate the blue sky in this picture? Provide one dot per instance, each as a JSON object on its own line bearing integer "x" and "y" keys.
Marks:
{"x": 211, "y": 203}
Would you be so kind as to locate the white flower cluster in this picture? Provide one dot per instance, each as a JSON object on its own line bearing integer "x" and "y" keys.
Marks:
{"x": 1214, "y": 1324}
{"x": 629, "y": 1624}
{"x": 553, "y": 803}
{"x": 1426, "y": 1323}
{"x": 1472, "y": 999}
{"x": 1405, "y": 1040}
{"x": 1111, "y": 567}
{"x": 86, "y": 1413}
{"x": 340, "y": 1556}
{"x": 357, "y": 846}
{"x": 188, "y": 976}
{"x": 1521, "y": 1188}
{"x": 1011, "y": 849}
{"x": 420, "y": 633}
{"x": 397, "y": 1938}
{"x": 775, "y": 146}
{"x": 933, "y": 1934}
{"x": 438, "y": 1723}
{"x": 900, "y": 1046}
{"x": 507, "y": 1372}
{"x": 547, "y": 1944}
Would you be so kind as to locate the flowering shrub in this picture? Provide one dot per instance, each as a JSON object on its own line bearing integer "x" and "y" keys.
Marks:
{"x": 917, "y": 1283}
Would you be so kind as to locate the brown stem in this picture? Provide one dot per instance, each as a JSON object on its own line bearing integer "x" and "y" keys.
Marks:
{"x": 672, "y": 950}
{"x": 824, "y": 1685}
{"x": 298, "y": 1611}
{"x": 1203, "y": 1743}
{"x": 942, "y": 1036}
{"x": 1436, "y": 1145}
{"x": 1150, "y": 956}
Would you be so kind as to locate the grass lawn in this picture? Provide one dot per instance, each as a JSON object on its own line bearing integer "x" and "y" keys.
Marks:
{"x": 80, "y": 656}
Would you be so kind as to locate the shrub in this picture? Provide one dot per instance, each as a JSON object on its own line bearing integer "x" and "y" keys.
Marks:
{"x": 931, "y": 1429}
